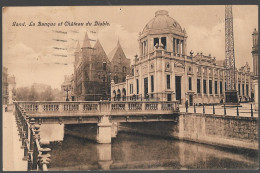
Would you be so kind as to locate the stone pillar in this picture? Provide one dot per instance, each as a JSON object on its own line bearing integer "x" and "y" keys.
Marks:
{"x": 104, "y": 130}
{"x": 114, "y": 129}
{"x": 104, "y": 156}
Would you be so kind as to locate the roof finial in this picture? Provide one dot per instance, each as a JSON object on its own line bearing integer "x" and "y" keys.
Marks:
{"x": 86, "y": 42}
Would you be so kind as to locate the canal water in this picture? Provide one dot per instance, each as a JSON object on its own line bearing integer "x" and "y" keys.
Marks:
{"x": 134, "y": 152}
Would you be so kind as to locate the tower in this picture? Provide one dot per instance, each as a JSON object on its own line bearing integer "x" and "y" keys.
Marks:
{"x": 231, "y": 93}
{"x": 255, "y": 53}
{"x": 255, "y": 67}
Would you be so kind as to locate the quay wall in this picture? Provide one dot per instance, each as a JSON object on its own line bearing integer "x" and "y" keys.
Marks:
{"x": 225, "y": 131}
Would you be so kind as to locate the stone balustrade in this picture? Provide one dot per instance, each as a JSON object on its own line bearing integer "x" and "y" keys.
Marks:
{"x": 35, "y": 151}
{"x": 96, "y": 108}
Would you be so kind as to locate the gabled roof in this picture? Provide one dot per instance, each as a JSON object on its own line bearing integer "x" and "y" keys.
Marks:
{"x": 118, "y": 49}
{"x": 98, "y": 49}
{"x": 86, "y": 42}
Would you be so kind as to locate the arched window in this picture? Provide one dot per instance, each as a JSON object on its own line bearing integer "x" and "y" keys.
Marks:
{"x": 115, "y": 79}
{"x": 124, "y": 69}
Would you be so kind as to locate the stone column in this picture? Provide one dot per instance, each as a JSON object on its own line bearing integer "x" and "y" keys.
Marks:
{"x": 104, "y": 156}
{"x": 104, "y": 131}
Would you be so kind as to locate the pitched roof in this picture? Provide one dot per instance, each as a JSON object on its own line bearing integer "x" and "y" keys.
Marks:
{"x": 86, "y": 42}
{"x": 118, "y": 48}
{"x": 99, "y": 50}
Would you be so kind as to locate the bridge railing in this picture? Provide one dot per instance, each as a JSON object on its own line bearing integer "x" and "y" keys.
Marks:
{"x": 97, "y": 107}
{"x": 35, "y": 151}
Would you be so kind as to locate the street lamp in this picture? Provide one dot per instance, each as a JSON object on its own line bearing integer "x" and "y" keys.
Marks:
{"x": 67, "y": 90}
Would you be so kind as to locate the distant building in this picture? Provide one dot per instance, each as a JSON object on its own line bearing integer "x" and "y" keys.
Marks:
{"x": 11, "y": 89}
{"x": 67, "y": 88}
{"x": 39, "y": 87}
{"x": 5, "y": 86}
{"x": 255, "y": 66}
{"x": 163, "y": 70}
{"x": 93, "y": 70}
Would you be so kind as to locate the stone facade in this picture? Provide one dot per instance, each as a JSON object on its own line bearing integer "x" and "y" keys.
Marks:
{"x": 226, "y": 131}
{"x": 93, "y": 70}
{"x": 163, "y": 70}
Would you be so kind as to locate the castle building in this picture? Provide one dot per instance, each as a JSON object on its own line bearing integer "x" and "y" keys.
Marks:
{"x": 164, "y": 71}
{"x": 93, "y": 70}
{"x": 255, "y": 66}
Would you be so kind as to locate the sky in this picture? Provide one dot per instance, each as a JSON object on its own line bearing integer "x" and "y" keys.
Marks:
{"x": 36, "y": 54}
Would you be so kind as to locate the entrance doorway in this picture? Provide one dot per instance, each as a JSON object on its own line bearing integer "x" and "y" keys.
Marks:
{"x": 191, "y": 100}
{"x": 178, "y": 88}
{"x": 145, "y": 87}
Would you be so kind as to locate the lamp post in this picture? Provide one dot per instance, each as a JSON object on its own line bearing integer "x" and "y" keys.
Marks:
{"x": 67, "y": 90}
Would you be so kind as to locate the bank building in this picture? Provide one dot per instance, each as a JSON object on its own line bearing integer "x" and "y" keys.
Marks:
{"x": 165, "y": 71}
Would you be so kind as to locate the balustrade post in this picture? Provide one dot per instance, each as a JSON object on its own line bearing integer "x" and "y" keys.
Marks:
{"x": 81, "y": 107}
{"x": 29, "y": 165}
{"x": 126, "y": 106}
{"x": 143, "y": 106}
{"x": 35, "y": 149}
{"x": 237, "y": 110}
{"x": 41, "y": 108}
{"x": 213, "y": 110}
{"x": 252, "y": 113}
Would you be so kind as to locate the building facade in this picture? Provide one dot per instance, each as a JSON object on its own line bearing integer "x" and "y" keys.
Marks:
{"x": 11, "y": 89}
{"x": 93, "y": 70}
{"x": 5, "y": 86}
{"x": 164, "y": 71}
{"x": 255, "y": 66}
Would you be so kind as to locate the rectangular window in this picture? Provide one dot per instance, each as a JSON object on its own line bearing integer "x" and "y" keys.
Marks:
{"x": 216, "y": 87}
{"x": 198, "y": 85}
{"x": 190, "y": 84}
{"x": 210, "y": 86}
{"x": 220, "y": 87}
{"x": 204, "y": 86}
{"x": 247, "y": 90}
{"x": 137, "y": 86}
{"x": 156, "y": 42}
{"x": 152, "y": 84}
{"x": 168, "y": 81}
{"x": 239, "y": 89}
{"x": 243, "y": 89}
{"x": 225, "y": 86}
{"x": 163, "y": 41}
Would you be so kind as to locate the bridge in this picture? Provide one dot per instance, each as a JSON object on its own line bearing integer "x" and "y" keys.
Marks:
{"x": 29, "y": 115}
{"x": 93, "y": 112}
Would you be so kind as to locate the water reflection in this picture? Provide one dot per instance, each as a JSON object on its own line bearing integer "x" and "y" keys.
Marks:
{"x": 129, "y": 151}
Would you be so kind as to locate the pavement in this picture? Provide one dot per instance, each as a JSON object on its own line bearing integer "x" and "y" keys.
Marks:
{"x": 244, "y": 111}
{"x": 12, "y": 152}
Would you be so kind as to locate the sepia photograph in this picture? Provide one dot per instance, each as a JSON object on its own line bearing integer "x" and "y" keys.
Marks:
{"x": 143, "y": 87}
